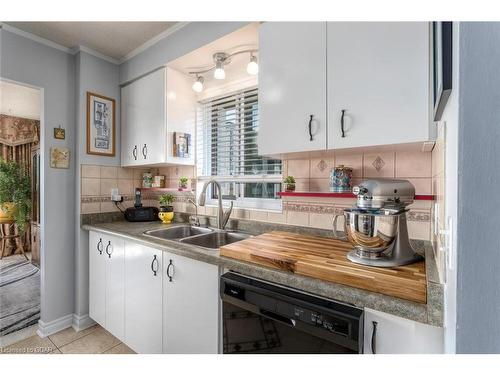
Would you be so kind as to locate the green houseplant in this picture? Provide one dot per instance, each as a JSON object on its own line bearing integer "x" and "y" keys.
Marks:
{"x": 15, "y": 193}
{"x": 183, "y": 182}
{"x": 289, "y": 183}
{"x": 166, "y": 202}
{"x": 166, "y": 213}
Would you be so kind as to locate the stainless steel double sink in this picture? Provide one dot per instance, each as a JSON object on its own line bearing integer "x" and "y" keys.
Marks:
{"x": 208, "y": 238}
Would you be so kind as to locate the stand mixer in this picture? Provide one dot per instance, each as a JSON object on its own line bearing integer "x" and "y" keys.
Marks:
{"x": 377, "y": 226}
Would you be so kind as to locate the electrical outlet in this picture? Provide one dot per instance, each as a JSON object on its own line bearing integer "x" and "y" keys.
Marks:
{"x": 115, "y": 197}
{"x": 448, "y": 242}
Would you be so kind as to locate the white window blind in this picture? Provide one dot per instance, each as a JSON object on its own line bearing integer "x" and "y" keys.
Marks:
{"x": 227, "y": 150}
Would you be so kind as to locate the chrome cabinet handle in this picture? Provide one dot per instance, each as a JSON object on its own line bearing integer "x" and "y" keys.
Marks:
{"x": 99, "y": 248}
{"x": 153, "y": 268}
{"x": 374, "y": 338}
{"x": 342, "y": 123}
{"x": 170, "y": 264}
{"x": 145, "y": 151}
{"x": 107, "y": 247}
{"x": 310, "y": 127}
{"x": 134, "y": 152}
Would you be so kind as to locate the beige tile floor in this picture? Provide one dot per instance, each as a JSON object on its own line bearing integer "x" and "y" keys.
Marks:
{"x": 93, "y": 340}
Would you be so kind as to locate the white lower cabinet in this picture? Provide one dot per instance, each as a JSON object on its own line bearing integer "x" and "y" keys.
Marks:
{"x": 395, "y": 335}
{"x": 153, "y": 301}
{"x": 97, "y": 279}
{"x": 143, "y": 298}
{"x": 107, "y": 282}
{"x": 190, "y": 306}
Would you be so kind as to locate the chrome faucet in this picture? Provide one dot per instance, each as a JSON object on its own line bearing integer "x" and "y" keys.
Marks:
{"x": 194, "y": 220}
{"x": 222, "y": 217}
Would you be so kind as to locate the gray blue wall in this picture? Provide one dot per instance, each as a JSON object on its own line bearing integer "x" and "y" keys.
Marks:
{"x": 26, "y": 61}
{"x": 478, "y": 226}
{"x": 102, "y": 77}
{"x": 65, "y": 79}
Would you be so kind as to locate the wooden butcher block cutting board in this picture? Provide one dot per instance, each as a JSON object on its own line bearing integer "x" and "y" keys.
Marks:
{"x": 325, "y": 258}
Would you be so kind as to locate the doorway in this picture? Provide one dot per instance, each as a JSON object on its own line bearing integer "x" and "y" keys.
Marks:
{"x": 21, "y": 112}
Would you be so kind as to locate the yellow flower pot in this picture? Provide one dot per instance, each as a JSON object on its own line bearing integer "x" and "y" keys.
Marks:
{"x": 7, "y": 211}
{"x": 166, "y": 217}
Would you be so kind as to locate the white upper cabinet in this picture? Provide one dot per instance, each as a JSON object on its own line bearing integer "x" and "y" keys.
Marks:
{"x": 292, "y": 87}
{"x": 378, "y": 76}
{"x": 374, "y": 73}
{"x": 153, "y": 108}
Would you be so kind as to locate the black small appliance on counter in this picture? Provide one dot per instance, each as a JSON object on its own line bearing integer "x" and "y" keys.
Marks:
{"x": 139, "y": 213}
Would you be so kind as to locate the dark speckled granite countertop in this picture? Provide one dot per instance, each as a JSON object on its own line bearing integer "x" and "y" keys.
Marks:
{"x": 430, "y": 313}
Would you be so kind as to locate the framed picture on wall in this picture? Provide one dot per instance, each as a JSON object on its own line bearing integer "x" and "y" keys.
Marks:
{"x": 100, "y": 125}
{"x": 442, "y": 65}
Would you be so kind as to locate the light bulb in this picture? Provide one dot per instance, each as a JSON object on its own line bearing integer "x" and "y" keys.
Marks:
{"x": 219, "y": 72}
{"x": 198, "y": 84}
{"x": 253, "y": 67}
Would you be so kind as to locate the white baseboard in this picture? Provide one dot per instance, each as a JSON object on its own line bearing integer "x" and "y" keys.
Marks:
{"x": 81, "y": 322}
{"x": 49, "y": 328}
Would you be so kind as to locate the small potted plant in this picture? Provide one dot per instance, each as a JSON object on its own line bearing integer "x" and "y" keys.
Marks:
{"x": 166, "y": 213}
{"x": 183, "y": 183}
{"x": 289, "y": 183}
{"x": 15, "y": 194}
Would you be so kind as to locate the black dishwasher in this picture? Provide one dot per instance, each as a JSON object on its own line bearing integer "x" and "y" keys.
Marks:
{"x": 263, "y": 317}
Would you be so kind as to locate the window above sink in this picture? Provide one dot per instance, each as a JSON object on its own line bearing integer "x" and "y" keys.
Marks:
{"x": 227, "y": 150}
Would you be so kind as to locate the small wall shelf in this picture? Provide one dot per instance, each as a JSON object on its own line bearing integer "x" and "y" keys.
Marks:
{"x": 163, "y": 190}
{"x": 338, "y": 195}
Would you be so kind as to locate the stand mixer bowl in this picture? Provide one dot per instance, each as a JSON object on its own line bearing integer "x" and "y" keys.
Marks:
{"x": 370, "y": 231}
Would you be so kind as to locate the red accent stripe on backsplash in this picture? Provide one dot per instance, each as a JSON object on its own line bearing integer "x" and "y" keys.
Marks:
{"x": 418, "y": 197}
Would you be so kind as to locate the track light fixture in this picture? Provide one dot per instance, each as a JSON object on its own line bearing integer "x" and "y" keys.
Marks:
{"x": 253, "y": 66}
{"x": 220, "y": 60}
{"x": 198, "y": 84}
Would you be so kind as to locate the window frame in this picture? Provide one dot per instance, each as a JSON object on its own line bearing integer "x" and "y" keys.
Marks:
{"x": 206, "y": 132}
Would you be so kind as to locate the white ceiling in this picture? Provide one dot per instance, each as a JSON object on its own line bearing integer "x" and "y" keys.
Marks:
{"x": 20, "y": 101}
{"x": 113, "y": 39}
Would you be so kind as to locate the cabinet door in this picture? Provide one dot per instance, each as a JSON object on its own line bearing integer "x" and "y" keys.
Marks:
{"x": 97, "y": 279}
{"x": 396, "y": 335}
{"x": 191, "y": 306}
{"x": 114, "y": 259}
{"x": 378, "y": 74}
{"x": 143, "y": 298}
{"x": 129, "y": 132}
{"x": 181, "y": 114}
{"x": 292, "y": 87}
{"x": 144, "y": 119}
{"x": 152, "y": 110}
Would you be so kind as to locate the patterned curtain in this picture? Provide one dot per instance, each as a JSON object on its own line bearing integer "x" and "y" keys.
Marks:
{"x": 17, "y": 138}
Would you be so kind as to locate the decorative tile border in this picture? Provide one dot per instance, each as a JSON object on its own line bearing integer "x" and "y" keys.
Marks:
{"x": 183, "y": 197}
{"x": 413, "y": 215}
{"x": 419, "y": 216}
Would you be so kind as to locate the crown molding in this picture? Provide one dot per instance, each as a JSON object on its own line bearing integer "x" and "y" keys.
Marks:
{"x": 35, "y": 38}
{"x": 73, "y": 51}
{"x": 153, "y": 41}
{"x": 92, "y": 52}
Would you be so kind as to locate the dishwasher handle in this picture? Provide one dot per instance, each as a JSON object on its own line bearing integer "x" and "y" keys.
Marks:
{"x": 278, "y": 317}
